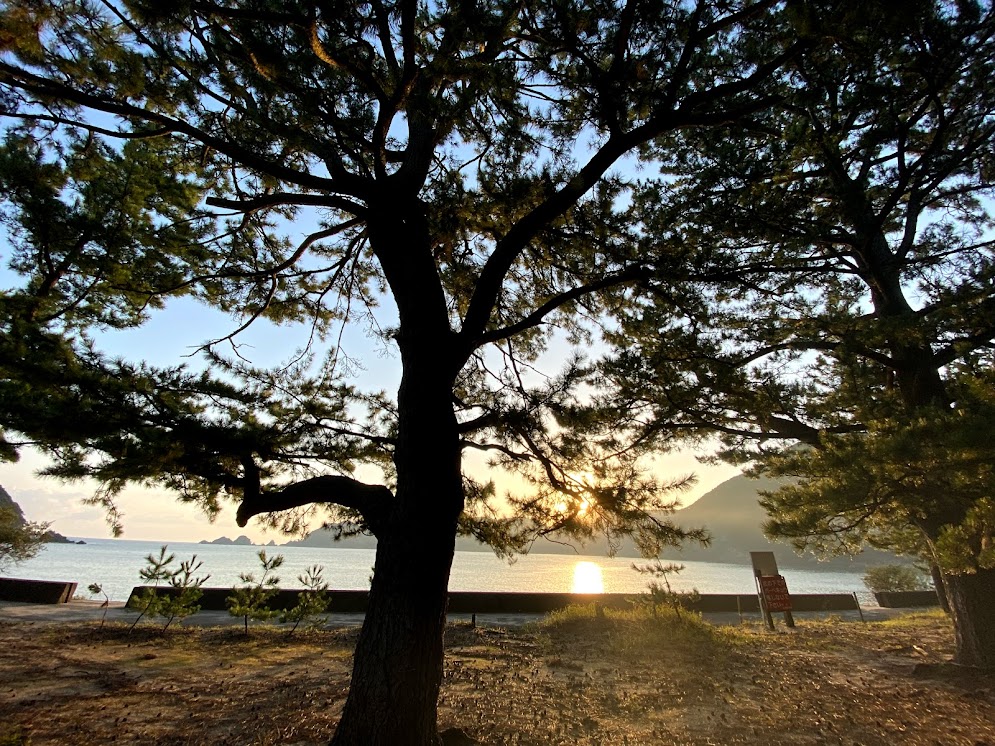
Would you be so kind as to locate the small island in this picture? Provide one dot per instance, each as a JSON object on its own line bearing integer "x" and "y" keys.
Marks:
{"x": 242, "y": 540}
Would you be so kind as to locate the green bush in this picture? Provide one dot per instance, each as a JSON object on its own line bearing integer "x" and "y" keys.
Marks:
{"x": 891, "y": 578}
{"x": 312, "y": 602}
{"x": 660, "y": 590}
{"x": 179, "y": 602}
{"x": 252, "y": 599}
{"x": 19, "y": 540}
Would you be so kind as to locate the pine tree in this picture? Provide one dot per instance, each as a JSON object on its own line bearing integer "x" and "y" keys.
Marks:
{"x": 464, "y": 164}
{"x": 836, "y": 321}
{"x": 312, "y": 601}
{"x": 252, "y": 599}
{"x": 20, "y": 540}
{"x": 150, "y": 599}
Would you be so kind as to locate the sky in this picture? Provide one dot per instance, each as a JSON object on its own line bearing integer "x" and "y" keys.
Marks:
{"x": 171, "y": 336}
{"x": 156, "y": 515}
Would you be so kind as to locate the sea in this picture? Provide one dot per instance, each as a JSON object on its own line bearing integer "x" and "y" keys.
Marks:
{"x": 114, "y": 564}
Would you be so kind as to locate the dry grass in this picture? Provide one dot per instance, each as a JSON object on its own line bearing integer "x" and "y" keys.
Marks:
{"x": 573, "y": 679}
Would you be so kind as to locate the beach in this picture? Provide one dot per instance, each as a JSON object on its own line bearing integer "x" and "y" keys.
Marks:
{"x": 573, "y": 677}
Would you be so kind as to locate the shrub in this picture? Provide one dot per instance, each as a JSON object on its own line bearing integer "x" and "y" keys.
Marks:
{"x": 156, "y": 571}
{"x": 185, "y": 591}
{"x": 19, "y": 540}
{"x": 251, "y": 600}
{"x": 182, "y": 602}
{"x": 659, "y": 589}
{"x": 890, "y": 578}
{"x": 311, "y": 603}
{"x": 97, "y": 590}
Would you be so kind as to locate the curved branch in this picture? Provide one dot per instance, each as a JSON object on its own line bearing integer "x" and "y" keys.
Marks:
{"x": 46, "y": 87}
{"x": 371, "y": 500}
{"x": 92, "y": 128}
{"x": 285, "y": 198}
{"x": 536, "y": 317}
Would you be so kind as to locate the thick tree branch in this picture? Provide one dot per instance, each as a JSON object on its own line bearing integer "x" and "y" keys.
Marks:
{"x": 277, "y": 199}
{"x": 47, "y": 88}
{"x": 695, "y": 110}
{"x": 962, "y": 346}
{"x": 371, "y": 500}
{"x": 508, "y": 248}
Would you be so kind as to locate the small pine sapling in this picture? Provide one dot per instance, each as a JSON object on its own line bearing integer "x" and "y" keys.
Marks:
{"x": 156, "y": 571}
{"x": 312, "y": 602}
{"x": 251, "y": 600}
{"x": 97, "y": 590}
{"x": 186, "y": 591}
{"x": 660, "y": 590}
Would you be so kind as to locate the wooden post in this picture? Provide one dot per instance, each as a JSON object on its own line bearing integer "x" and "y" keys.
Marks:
{"x": 771, "y": 588}
{"x": 768, "y": 619}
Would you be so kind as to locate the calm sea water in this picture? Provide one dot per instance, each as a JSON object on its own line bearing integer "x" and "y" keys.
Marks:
{"x": 114, "y": 564}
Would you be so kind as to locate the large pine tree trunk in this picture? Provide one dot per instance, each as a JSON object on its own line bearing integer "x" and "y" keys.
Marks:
{"x": 972, "y": 605}
{"x": 938, "y": 583}
{"x": 397, "y": 671}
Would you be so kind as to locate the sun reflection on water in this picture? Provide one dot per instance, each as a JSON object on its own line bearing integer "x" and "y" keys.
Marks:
{"x": 587, "y": 578}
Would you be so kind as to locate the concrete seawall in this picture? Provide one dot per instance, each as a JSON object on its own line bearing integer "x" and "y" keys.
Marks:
{"x": 36, "y": 591}
{"x": 482, "y": 602}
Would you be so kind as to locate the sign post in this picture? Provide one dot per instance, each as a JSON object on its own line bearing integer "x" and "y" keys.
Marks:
{"x": 772, "y": 589}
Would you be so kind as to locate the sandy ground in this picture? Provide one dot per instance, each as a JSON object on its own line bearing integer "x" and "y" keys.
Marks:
{"x": 570, "y": 679}
{"x": 79, "y": 610}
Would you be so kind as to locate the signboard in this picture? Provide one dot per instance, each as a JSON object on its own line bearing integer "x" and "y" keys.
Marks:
{"x": 775, "y": 592}
{"x": 763, "y": 563}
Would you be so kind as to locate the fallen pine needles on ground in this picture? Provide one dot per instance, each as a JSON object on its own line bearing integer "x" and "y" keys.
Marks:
{"x": 575, "y": 678}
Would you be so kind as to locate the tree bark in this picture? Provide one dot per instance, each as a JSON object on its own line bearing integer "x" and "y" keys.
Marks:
{"x": 938, "y": 583}
{"x": 972, "y": 606}
{"x": 397, "y": 670}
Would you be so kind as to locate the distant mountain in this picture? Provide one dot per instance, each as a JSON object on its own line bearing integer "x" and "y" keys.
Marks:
{"x": 6, "y": 501}
{"x": 326, "y": 539}
{"x": 242, "y": 541}
{"x": 731, "y": 512}
{"x": 733, "y": 516}
{"x": 51, "y": 537}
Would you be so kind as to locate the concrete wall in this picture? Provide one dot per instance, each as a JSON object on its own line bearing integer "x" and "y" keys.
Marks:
{"x": 482, "y": 602}
{"x": 36, "y": 591}
{"x": 903, "y": 599}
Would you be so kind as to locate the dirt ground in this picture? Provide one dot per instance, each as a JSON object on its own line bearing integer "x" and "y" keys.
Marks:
{"x": 572, "y": 679}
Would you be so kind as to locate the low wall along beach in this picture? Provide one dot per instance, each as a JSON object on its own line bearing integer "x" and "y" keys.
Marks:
{"x": 477, "y": 602}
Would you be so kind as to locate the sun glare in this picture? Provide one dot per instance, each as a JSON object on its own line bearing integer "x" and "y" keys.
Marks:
{"x": 581, "y": 510}
{"x": 587, "y": 578}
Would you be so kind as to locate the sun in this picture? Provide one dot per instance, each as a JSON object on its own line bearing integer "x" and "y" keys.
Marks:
{"x": 587, "y": 578}
{"x": 581, "y": 509}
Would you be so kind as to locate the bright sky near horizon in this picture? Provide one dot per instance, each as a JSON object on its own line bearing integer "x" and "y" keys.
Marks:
{"x": 172, "y": 337}
{"x": 156, "y": 515}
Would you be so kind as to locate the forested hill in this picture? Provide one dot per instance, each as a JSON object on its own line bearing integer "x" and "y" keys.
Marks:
{"x": 8, "y": 503}
{"x": 733, "y": 515}
{"x": 730, "y": 512}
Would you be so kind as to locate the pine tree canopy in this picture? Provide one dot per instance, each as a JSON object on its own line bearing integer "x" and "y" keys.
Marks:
{"x": 473, "y": 166}
{"x": 836, "y": 317}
